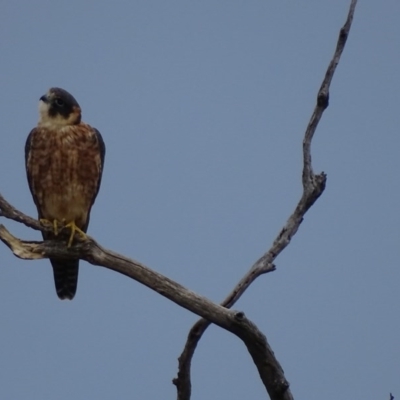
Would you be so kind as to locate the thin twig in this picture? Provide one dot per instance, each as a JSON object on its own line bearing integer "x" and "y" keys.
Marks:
{"x": 313, "y": 186}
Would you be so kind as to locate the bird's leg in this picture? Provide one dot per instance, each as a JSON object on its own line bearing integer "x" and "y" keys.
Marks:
{"x": 74, "y": 229}
{"x": 55, "y": 227}
{"x": 54, "y": 224}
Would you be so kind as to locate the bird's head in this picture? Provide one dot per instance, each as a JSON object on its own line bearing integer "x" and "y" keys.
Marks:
{"x": 58, "y": 108}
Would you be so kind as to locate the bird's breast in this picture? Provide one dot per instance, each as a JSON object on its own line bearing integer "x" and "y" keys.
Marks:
{"x": 65, "y": 168}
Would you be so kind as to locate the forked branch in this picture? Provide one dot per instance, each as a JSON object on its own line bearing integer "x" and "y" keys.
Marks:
{"x": 269, "y": 369}
{"x": 313, "y": 186}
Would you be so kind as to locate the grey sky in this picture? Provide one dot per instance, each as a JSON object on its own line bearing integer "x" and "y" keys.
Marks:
{"x": 202, "y": 106}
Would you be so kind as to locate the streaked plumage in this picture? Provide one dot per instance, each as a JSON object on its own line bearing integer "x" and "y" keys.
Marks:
{"x": 64, "y": 164}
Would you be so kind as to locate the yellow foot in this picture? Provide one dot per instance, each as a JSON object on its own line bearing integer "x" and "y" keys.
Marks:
{"x": 74, "y": 229}
{"x": 54, "y": 224}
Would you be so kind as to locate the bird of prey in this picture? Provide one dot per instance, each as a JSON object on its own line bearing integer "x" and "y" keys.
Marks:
{"x": 64, "y": 160}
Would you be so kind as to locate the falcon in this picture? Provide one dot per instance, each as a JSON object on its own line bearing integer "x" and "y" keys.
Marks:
{"x": 64, "y": 160}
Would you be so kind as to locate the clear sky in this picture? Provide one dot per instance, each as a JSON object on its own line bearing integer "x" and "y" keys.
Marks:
{"x": 203, "y": 106}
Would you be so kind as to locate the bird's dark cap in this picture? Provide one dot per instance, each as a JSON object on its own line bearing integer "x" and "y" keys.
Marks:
{"x": 58, "y": 93}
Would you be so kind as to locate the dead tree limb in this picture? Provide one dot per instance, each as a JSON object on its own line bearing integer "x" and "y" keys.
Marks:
{"x": 313, "y": 186}
{"x": 268, "y": 367}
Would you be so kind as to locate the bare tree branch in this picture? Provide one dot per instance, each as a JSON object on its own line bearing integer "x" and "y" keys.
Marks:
{"x": 270, "y": 371}
{"x": 268, "y": 367}
{"x": 8, "y": 211}
{"x": 313, "y": 186}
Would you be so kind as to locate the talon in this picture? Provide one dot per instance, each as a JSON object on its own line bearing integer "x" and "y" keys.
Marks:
{"x": 44, "y": 221}
{"x": 74, "y": 229}
{"x": 54, "y": 224}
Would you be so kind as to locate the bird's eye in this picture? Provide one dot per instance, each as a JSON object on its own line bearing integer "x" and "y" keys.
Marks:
{"x": 60, "y": 102}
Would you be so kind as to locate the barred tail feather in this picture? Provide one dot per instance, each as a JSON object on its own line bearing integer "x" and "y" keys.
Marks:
{"x": 65, "y": 277}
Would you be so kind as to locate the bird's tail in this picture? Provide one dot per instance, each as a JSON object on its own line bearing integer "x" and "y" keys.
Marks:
{"x": 65, "y": 277}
